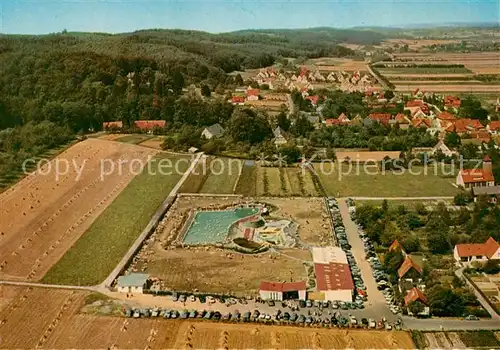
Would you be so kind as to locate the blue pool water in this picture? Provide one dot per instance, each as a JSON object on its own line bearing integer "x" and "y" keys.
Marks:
{"x": 213, "y": 226}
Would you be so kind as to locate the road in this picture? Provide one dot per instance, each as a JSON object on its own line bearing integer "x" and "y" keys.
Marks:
{"x": 54, "y": 286}
{"x": 480, "y": 298}
{"x": 381, "y": 82}
{"x": 436, "y": 324}
{"x": 401, "y": 198}
{"x": 376, "y": 302}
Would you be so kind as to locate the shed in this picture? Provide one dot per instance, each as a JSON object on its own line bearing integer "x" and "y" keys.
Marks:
{"x": 132, "y": 283}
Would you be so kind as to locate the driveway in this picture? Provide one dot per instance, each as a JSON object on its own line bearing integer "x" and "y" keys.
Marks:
{"x": 376, "y": 304}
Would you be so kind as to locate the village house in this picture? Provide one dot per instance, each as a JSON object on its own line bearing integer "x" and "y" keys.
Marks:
{"x": 446, "y": 116}
{"x": 132, "y": 283}
{"x": 253, "y": 94}
{"x": 417, "y": 106}
{"x": 469, "y": 178}
{"x": 410, "y": 271}
{"x": 494, "y": 127}
{"x": 149, "y": 125}
{"x": 441, "y": 147}
{"x": 466, "y": 254}
{"x": 343, "y": 119}
{"x": 397, "y": 247}
{"x": 382, "y": 118}
{"x": 452, "y": 103}
{"x": 491, "y": 192}
{"x": 213, "y": 131}
{"x": 466, "y": 125}
{"x": 414, "y": 295}
{"x": 402, "y": 120}
{"x": 314, "y": 99}
{"x": 112, "y": 125}
{"x": 238, "y": 100}
{"x": 332, "y": 122}
{"x": 280, "y": 136}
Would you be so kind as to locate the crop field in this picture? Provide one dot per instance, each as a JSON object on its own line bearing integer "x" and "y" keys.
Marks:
{"x": 42, "y": 216}
{"x": 461, "y": 340}
{"x": 328, "y": 64}
{"x": 243, "y": 336}
{"x": 223, "y": 175}
{"x": 97, "y": 252}
{"x": 423, "y": 71}
{"x": 283, "y": 182}
{"x": 55, "y": 322}
{"x": 154, "y": 142}
{"x": 110, "y": 137}
{"x": 247, "y": 185}
{"x": 339, "y": 180}
{"x": 464, "y": 88}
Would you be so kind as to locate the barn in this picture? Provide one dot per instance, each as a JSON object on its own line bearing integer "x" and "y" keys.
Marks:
{"x": 282, "y": 290}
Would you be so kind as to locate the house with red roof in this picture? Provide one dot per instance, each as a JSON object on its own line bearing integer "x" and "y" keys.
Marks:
{"x": 494, "y": 127}
{"x": 382, "y": 118}
{"x": 332, "y": 122}
{"x": 466, "y": 125}
{"x": 478, "y": 137}
{"x": 410, "y": 270}
{"x": 414, "y": 105}
{"x": 469, "y": 178}
{"x": 468, "y": 253}
{"x": 112, "y": 125}
{"x": 314, "y": 99}
{"x": 421, "y": 123}
{"x": 282, "y": 290}
{"x": 415, "y": 294}
{"x": 238, "y": 100}
{"x": 452, "y": 102}
{"x": 402, "y": 120}
{"x": 397, "y": 247}
{"x": 253, "y": 94}
{"x": 343, "y": 119}
{"x": 446, "y": 116}
{"x": 334, "y": 281}
{"x": 148, "y": 125}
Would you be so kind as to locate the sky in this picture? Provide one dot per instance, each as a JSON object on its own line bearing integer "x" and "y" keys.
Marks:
{"x": 41, "y": 16}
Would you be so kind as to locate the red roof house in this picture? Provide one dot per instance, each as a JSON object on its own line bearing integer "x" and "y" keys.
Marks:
{"x": 409, "y": 267}
{"x": 282, "y": 290}
{"x": 421, "y": 123}
{"x": 253, "y": 92}
{"x": 382, "y": 118}
{"x": 109, "y": 125}
{"x": 343, "y": 118}
{"x": 469, "y": 178}
{"x": 237, "y": 100}
{"x": 396, "y": 246}
{"x": 446, "y": 116}
{"x": 149, "y": 124}
{"x": 467, "y": 253}
{"x": 332, "y": 121}
{"x": 415, "y": 294}
{"x": 334, "y": 280}
{"x": 314, "y": 99}
{"x": 452, "y": 102}
{"x": 467, "y": 125}
{"x": 494, "y": 126}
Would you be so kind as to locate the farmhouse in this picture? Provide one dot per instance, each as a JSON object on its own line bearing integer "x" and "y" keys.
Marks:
{"x": 149, "y": 124}
{"x": 494, "y": 127}
{"x": 132, "y": 283}
{"x": 282, "y": 290}
{"x": 469, "y": 178}
{"x": 466, "y": 254}
{"x": 491, "y": 192}
{"x": 112, "y": 125}
{"x": 409, "y": 270}
{"x": 213, "y": 131}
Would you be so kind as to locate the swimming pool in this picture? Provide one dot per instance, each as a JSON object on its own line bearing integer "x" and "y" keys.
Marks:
{"x": 213, "y": 226}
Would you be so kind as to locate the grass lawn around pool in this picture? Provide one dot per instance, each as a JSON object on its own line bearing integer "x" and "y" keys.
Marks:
{"x": 339, "y": 181}
{"x": 98, "y": 251}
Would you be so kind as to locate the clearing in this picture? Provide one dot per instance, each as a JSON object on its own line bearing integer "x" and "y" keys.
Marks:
{"x": 343, "y": 180}
{"x": 97, "y": 252}
{"x": 44, "y": 215}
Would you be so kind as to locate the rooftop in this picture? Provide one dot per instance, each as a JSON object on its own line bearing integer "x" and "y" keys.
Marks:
{"x": 487, "y": 248}
{"x": 326, "y": 255}
{"x": 282, "y": 286}
{"x": 333, "y": 276}
{"x": 133, "y": 280}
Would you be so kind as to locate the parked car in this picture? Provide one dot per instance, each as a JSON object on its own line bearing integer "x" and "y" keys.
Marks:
{"x": 471, "y": 318}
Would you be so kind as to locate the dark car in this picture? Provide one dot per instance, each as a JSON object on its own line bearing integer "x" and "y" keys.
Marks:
{"x": 270, "y": 303}
{"x": 216, "y": 316}
{"x": 302, "y": 303}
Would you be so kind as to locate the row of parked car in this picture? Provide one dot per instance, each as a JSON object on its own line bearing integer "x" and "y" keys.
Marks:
{"x": 341, "y": 237}
{"x": 378, "y": 272}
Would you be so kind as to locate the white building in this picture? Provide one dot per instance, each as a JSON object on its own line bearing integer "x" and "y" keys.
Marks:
{"x": 213, "y": 131}
{"x": 133, "y": 283}
{"x": 282, "y": 290}
{"x": 466, "y": 254}
{"x": 326, "y": 255}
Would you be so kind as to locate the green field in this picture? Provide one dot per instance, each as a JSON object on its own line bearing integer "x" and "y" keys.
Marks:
{"x": 98, "y": 251}
{"x": 134, "y": 139}
{"x": 223, "y": 174}
{"x": 338, "y": 181}
{"x": 247, "y": 185}
{"x": 421, "y": 70}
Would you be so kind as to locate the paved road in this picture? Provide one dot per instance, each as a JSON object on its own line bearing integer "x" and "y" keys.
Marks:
{"x": 54, "y": 286}
{"x": 376, "y": 302}
{"x": 436, "y": 324}
{"x": 480, "y": 298}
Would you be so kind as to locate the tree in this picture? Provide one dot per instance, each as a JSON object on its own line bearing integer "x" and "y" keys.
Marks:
{"x": 248, "y": 126}
{"x": 388, "y": 94}
{"x": 416, "y": 307}
{"x": 444, "y": 302}
{"x": 238, "y": 80}
{"x": 392, "y": 261}
{"x": 205, "y": 90}
{"x": 462, "y": 198}
{"x": 283, "y": 121}
{"x": 291, "y": 153}
{"x": 452, "y": 139}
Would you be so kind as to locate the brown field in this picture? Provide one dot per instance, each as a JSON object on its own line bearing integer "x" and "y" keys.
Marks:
{"x": 154, "y": 143}
{"x": 310, "y": 214}
{"x": 471, "y": 88}
{"x": 220, "y": 271}
{"x": 55, "y": 322}
{"x": 434, "y": 82}
{"x": 241, "y": 336}
{"x": 415, "y": 44}
{"x": 338, "y": 64}
{"x": 42, "y": 217}
{"x": 364, "y": 156}
{"x": 422, "y": 76}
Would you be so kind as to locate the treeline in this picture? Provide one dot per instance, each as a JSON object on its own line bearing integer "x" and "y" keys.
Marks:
{"x": 383, "y": 78}
{"x": 420, "y": 65}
